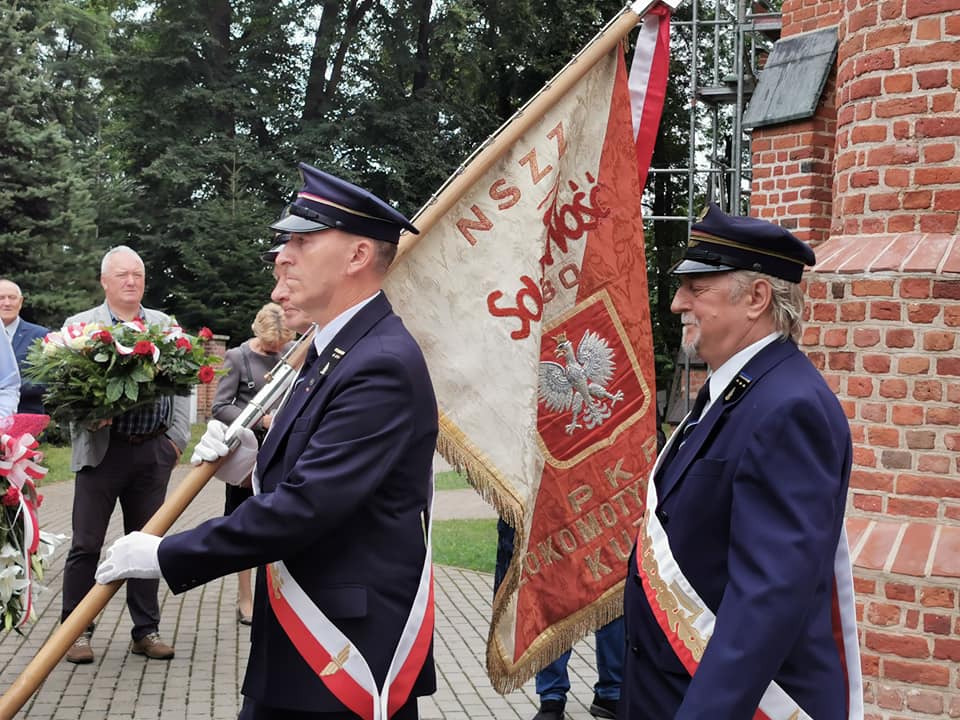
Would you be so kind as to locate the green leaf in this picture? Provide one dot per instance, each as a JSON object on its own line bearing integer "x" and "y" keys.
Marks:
{"x": 142, "y": 373}
{"x": 114, "y": 389}
{"x": 131, "y": 388}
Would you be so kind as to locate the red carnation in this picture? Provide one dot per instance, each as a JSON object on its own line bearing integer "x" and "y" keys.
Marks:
{"x": 206, "y": 374}
{"x": 205, "y": 333}
{"x": 103, "y": 336}
{"x": 182, "y": 342}
{"x": 11, "y": 497}
{"x": 143, "y": 347}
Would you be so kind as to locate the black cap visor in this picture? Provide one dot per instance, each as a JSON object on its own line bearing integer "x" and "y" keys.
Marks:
{"x": 300, "y": 219}
{"x": 270, "y": 256}
{"x": 691, "y": 267}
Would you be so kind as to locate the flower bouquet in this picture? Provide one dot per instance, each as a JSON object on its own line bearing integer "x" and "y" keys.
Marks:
{"x": 24, "y": 548}
{"x": 95, "y": 372}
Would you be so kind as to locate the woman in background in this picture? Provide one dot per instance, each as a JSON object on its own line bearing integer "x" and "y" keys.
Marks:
{"x": 246, "y": 366}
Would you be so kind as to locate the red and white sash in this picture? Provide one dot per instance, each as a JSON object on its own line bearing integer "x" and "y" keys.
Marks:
{"x": 688, "y": 623}
{"x": 335, "y": 659}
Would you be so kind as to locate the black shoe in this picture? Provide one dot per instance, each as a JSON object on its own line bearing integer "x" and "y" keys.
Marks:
{"x": 601, "y": 708}
{"x": 550, "y": 710}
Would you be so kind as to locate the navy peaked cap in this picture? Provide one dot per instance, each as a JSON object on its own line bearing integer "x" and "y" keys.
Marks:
{"x": 325, "y": 201}
{"x": 720, "y": 242}
{"x": 270, "y": 256}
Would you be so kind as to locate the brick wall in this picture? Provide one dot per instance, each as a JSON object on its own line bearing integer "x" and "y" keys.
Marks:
{"x": 806, "y": 15}
{"x": 887, "y": 343}
{"x": 898, "y": 118}
{"x": 883, "y": 320}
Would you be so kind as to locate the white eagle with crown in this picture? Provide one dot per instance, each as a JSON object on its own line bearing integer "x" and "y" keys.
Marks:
{"x": 581, "y": 384}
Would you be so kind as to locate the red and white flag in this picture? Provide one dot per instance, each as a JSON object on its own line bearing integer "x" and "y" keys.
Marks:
{"x": 648, "y": 83}
{"x": 529, "y": 298}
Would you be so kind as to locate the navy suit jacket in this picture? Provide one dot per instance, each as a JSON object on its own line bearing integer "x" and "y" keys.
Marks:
{"x": 345, "y": 473}
{"x": 31, "y": 395}
{"x": 753, "y": 506}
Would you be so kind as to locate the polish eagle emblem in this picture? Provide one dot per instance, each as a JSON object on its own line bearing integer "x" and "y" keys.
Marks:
{"x": 580, "y": 385}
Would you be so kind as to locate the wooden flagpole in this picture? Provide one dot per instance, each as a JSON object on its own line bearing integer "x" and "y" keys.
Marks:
{"x": 495, "y": 146}
{"x": 97, "y": 598}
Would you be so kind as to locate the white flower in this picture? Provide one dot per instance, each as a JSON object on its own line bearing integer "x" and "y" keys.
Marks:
{"x": 52, "y": 343}
{"x": 78, "y": 343}
{"x": 8, "y": 555}
{"x": 11, "y": 583}
{"x": 48, "y": 544}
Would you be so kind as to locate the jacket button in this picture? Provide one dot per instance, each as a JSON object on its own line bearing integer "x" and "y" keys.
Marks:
{"x": 663, "y": 516}
{"x": 635, "y": 649}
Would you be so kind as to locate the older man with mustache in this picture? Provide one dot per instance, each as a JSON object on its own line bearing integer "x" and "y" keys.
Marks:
{"x": 741, "y": 559}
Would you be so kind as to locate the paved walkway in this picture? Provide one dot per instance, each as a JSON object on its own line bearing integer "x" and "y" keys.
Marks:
{"x": 204, "y": 680}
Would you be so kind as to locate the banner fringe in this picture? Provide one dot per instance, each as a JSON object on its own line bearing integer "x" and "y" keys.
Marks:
{"x": 467, "y": 461}
{"x": 507, "y": 677}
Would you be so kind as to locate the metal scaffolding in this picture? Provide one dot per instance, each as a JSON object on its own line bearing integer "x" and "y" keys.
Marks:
{"x": 728, "y": 42}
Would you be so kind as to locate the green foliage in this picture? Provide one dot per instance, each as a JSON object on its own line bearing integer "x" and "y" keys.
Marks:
{"x": 175, "y": 128}
{"x": 46, "y": 211}
{"x": 450, "y": 480}
{"x": 56, "y": 458}
{"x": 202, "y": 101}
{"x": 196, "y": 432}
{"x": 94, "y": 372}
{"x": 469, "y": 544}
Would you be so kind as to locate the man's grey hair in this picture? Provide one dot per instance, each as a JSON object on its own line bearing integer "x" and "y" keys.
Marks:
{"x": 786, "y": 301}
{"x": 19, "y": 291}
{"x": 114, "y": 251}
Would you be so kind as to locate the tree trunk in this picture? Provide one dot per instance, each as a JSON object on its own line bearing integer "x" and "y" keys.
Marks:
{"x": 421, "y": 76}
{"x": 217, "y": 16}
{"x": 313, "y": 104}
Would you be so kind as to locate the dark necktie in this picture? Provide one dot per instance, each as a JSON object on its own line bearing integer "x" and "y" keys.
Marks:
{"x": 694, "y": 418}
{"x": 309, "y": 359}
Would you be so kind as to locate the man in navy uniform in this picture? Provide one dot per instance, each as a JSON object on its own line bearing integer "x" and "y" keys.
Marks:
{"x": 21, "y": 334}
{"x": 343, "y": 616}
{"x": 741, "y": 557}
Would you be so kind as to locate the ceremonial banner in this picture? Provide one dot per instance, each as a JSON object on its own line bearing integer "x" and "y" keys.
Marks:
{"x": 529, "y": 298}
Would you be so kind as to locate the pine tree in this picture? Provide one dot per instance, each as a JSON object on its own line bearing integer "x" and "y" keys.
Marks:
{"x": 46, "y": 212}
{"x": 200, "y": 110}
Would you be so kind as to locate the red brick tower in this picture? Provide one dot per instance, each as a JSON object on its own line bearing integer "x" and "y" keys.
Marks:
{"x": 872, "y": 181}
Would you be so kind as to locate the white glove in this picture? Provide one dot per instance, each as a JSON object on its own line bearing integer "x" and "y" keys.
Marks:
{"x": 238, "y": 464}
{"x": 132, "y": 556}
